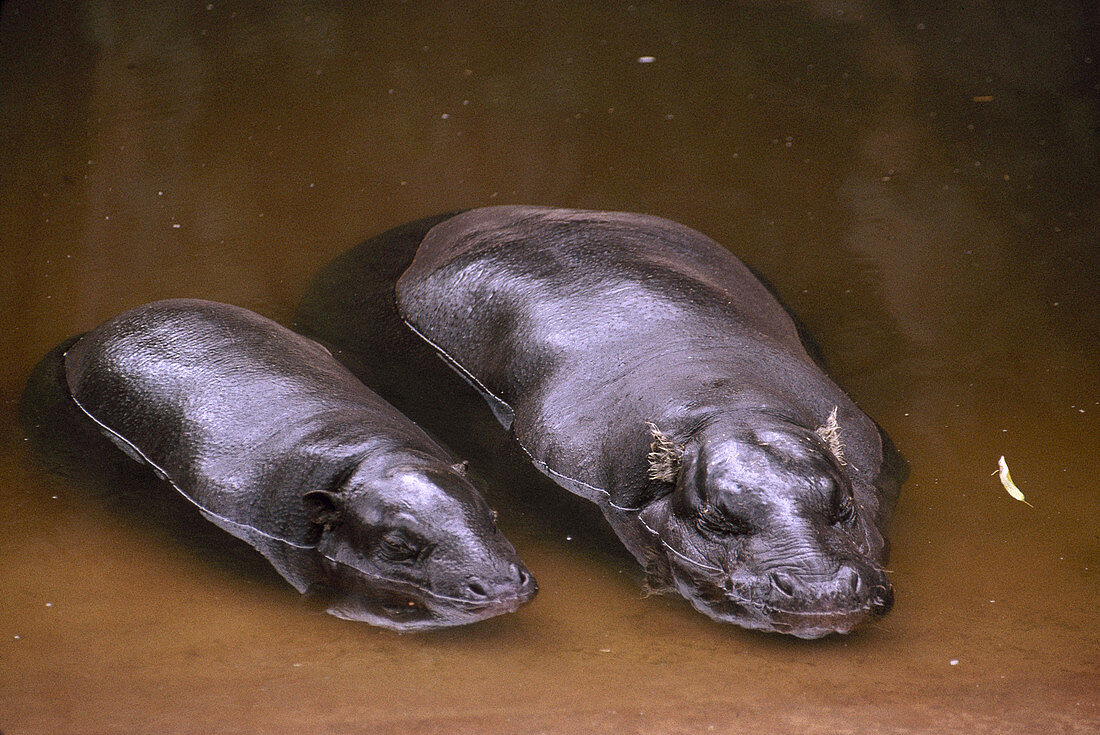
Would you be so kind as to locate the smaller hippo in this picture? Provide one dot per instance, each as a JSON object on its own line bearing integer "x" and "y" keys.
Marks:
{"x": 278, "y": 444}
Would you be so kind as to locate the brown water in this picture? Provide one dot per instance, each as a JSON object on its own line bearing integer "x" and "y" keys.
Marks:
{"x": 921, "y": 185}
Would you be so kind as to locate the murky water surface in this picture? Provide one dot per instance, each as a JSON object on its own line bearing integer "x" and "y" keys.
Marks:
{"x": 920, "y": 185}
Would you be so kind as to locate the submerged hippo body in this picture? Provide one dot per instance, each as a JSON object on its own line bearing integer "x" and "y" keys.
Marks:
{"x": 276, "y": 443}
{"x": 643, "y": 367}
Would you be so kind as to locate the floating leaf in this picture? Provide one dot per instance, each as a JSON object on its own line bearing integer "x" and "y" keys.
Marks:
{"x": 1010, "y": 486}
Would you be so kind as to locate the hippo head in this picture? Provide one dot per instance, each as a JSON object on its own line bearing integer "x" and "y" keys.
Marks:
{"x": 415, "y": 547}
{"x": 762, "y": 529}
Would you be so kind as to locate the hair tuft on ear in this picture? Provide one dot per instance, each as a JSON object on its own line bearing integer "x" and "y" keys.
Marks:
{"x": 664, "y": 455}
{"x": 830, "y": 432}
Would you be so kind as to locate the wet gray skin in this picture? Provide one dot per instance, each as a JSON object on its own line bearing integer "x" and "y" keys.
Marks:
{"x": 643, "y": 367}
{"x": 277, "y": 444}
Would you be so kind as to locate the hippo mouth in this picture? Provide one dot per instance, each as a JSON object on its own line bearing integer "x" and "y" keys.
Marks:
{"x": 404, "y": 605}
{"x": 400, "y": 605}
{"x": 813, "y": 617}
{"x": 808, "y": 624}
{"x": 817, "y": 624}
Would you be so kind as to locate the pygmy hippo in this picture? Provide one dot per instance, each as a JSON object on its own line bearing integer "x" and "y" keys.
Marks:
{"x": 642, "y": 366}
{"x": 278, "y": 444}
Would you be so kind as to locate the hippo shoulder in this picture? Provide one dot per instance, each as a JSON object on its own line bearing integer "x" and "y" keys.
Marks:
{"x": 217, "y": 401}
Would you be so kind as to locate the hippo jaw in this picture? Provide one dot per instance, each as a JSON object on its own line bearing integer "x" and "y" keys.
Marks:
{"x": 789, "y": 602}
{"x": 404, "y": 605}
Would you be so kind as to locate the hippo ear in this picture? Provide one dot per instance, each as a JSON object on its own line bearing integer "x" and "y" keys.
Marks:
{"x": 665, "y": 456}
{"x": 461, "y": 467}
{"x": 690, "y": 494}
{"x": 323, "y": 506}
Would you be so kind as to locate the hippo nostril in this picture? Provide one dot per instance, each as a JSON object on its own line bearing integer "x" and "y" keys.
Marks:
{"x": 783, "y": 583}
{"x": 476, "y": 588}
{"x": 849, "y": 578}
{"x": 525, "y": 583}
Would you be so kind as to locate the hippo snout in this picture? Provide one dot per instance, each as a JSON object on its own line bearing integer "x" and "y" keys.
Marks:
{"x": 809, "y": 605}
{"x": 799, "y": 602}
{"x": 849, "y": 589}
{"x": 515, "y": 583}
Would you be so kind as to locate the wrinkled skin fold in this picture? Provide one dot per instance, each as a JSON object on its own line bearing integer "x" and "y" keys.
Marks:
{"x": 279, "y": 445}
{"x": 586, "y": 331}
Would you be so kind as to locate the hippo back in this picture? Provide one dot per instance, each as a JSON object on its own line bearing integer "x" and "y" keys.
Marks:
{"x": 240, "y": 414}
{"x": 581, "y": 327}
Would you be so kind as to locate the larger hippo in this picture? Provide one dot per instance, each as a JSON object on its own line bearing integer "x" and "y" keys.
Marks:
{"x": 642, "y": 366}
{"x": 279, "y": 445}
